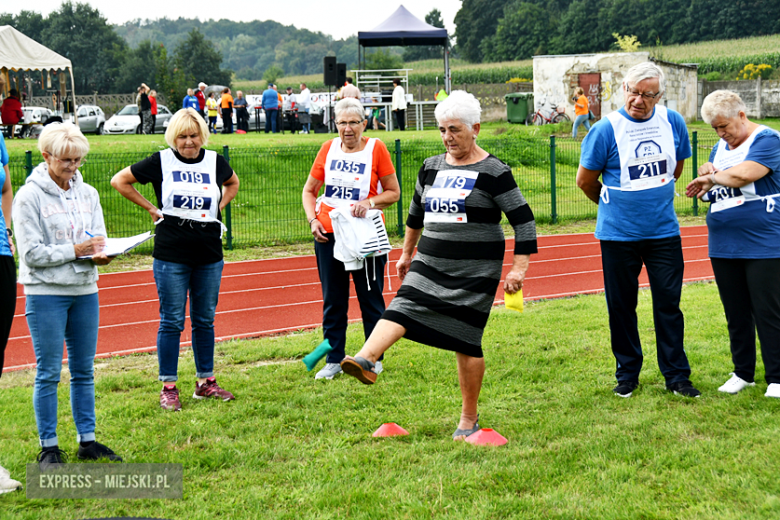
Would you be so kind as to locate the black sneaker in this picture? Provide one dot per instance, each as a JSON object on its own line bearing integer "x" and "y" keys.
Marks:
{"x": 95, "y": 451}
{"x": 684, "y": 388}
{"x": 625, "y": 388}
{"x": 51, "y": 458}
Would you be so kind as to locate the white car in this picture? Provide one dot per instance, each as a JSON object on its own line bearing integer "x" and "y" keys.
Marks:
{"x": 34, "y": 118}
{"x": 127, "y": 121}
{"x": 91, "y": 119}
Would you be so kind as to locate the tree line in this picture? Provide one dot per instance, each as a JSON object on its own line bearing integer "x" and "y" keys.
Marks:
{"x": 501, "y": 30}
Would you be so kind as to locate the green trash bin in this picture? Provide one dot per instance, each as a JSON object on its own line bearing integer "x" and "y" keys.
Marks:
{"x": 518, "y": 106}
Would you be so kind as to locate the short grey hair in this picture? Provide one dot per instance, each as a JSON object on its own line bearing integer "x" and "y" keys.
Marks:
{"x": 643, "y": 71}
{"x": 349, "y": 106}
{"x": 186, "y": 120}
{"x": 722, "y": 103}
{"x": 63, "y": 139}
{"x": 461, "y": 106}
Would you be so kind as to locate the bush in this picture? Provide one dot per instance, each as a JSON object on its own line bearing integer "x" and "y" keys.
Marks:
{"x": 712, "y": 76}
{"x": 751, "y": 71}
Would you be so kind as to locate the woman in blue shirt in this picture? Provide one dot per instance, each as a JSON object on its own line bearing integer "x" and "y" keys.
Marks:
{"x": 190, "y": 101}
{"x": 741, "y": 182}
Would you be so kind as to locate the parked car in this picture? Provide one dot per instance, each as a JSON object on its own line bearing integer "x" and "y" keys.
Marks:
{"x": 29, "y": 127}
{"x": 127, "y": 121}
{"x": 91, "y": 119}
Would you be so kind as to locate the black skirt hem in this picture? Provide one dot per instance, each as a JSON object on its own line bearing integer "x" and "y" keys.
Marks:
{"x": 415, "y": 331}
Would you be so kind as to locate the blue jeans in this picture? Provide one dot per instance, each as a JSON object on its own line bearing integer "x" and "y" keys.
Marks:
{"x": 74, "y": 320}
{"x": 174, "y": 281}
{"x": 584, "y": 119}
{"x": 271, "y": 116}
{"x": 308, "y": 125}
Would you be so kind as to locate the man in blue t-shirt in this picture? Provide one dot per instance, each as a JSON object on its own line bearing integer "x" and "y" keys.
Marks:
{"x": 270, "y": 102}
{"x": 639, "y": 151}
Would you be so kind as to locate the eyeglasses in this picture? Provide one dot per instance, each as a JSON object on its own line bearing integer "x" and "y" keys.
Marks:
{"x": 353, "y": 124}
{"x": 647, "y": 96}
{"x": 67, "y": 163}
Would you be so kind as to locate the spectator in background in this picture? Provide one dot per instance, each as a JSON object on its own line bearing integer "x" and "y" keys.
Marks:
{"x": 242, "y": 115}
{"x": 350, "y": 90}
{"x": 200, "y": 94}
{"x": 289, "y": 108}
{"x": 11, "y": 111}
{"x": 213, "y": 109}
{"x": 190, "y": 101}
{"x": 581, "y": 112}
{"x": 226, "y": 103}
{"x": 145, "y": 109}
{"x": 153, "y": 101}
{"x": 270, "y": 102}
{"x": 304, "y": 100}
{"x": 399, "y": 104}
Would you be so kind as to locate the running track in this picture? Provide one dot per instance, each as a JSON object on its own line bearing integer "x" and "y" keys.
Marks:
{"x": 262, "y": 297}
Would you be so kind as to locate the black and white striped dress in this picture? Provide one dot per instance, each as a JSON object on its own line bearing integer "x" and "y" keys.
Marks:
{"x": 445, "y": 299}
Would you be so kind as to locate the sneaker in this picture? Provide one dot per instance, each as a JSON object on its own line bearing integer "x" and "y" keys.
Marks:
{"x": 360, "y": 368}
{"x": 773, "y": 390}
{"x": 51, "y": 458}
{"x": 7, "y": 484}
{"x": 684, "y": 388}
{"x": 329, "y": 371}
{"x": 734, "y": 385}
{"x": 625, "y": 388}
{"x": 169, "y": 398}
{"x": 96, "y": 451}
{"x": 210, "y": 389}
{"x": 378, "y": 367}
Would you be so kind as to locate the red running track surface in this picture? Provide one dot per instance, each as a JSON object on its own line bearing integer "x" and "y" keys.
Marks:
{"x": 262, "y": 297}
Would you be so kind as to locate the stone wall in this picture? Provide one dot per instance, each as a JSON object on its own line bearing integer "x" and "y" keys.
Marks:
{"x": 762, "y": 98}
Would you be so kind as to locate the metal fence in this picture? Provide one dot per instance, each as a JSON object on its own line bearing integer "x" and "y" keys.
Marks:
{"x": 267, "y": 210}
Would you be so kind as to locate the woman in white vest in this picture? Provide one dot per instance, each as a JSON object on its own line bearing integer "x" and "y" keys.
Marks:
{"x": 741, "y": 183}
{"x": 357, "y": 173}
{"x": 193, "y": 186}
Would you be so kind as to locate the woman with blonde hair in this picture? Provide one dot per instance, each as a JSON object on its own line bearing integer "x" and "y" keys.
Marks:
{"x": 193, "y": 185}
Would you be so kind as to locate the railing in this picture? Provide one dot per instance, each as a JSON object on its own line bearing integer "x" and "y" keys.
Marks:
{"x": 267, "y": 210}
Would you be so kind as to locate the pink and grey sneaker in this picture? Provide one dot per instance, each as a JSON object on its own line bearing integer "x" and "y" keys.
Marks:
{"x": 169, "y": 398}
{"x": 210, "y": 389}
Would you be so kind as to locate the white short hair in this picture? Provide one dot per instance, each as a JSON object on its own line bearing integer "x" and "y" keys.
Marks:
{"x": 643, "y": 71}
{"x": 461, "y": 106}
{"x": 186, "y": 120}
{"x": 62, "y": 140}
{"x": 349, "y": 106}
{"x": 722, "y": 103}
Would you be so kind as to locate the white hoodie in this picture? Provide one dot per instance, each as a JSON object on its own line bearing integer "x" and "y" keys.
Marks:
{"x": 358, "y": 238}
{"x": 44, "y": 230}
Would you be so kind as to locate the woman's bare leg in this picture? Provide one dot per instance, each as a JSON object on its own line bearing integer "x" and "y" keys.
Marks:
{"x": 470, "y": 373}
{"x": 384, "y": 335}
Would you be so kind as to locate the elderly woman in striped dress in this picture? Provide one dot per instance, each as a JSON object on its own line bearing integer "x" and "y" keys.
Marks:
{"x": 449, "y": 286}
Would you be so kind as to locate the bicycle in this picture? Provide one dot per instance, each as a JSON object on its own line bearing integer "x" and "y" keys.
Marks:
{"x": 538, "y": 118}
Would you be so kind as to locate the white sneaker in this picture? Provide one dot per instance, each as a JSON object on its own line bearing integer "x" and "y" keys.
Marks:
{"x": 735, "y": 385}
{"x": 7, "y": 484}
{"x": 773, "y": 390}
{"x": 378, "y": 367}
{"x": 329, "y": 371}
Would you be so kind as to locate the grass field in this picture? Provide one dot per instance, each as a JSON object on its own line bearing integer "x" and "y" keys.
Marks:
{"x": 293, "y": 448}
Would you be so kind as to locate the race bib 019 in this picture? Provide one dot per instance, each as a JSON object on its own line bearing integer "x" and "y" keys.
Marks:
{"x": 191, "y": 177}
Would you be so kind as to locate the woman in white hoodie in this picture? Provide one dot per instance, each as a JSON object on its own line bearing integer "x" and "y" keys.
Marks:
{"x": 59, "y": 221}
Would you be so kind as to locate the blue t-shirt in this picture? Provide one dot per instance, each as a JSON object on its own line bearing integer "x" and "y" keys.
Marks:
{"x": 270, "y": 99}
{"x": 749, "y": 231}
{"x": 632, "y": 215}
{"x": 5, "y": 250}
{"x": 191, "y": 102}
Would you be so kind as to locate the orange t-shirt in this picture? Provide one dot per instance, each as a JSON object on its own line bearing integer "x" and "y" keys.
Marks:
{"x": 381, "y": 166}
{"x": 226, "y": 101}
{"x": 581, "y": 111}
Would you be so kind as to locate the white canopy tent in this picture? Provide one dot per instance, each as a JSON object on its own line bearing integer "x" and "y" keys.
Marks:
{"x": 20, "y": 52}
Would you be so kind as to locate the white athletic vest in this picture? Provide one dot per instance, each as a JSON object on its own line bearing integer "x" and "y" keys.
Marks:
{"x": 190, "y": 191}
{"x": 348, "y": 175}
{"x": 445, "y": 200}
{"x": 723, "y": 197}
{"x": 647, "y": 152}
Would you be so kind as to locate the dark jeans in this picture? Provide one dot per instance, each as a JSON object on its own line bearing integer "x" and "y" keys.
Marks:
{"x": 7, "y": 302}
{"x": 242, "y": 119}
{"x": 749, "y": 292}
{"x": 400, "y": 119}
{"x": 271, "y": 120}
{"x": 622, "y": 263}
{"x": 227, "y": 121}
{"x": 335, "y": 295}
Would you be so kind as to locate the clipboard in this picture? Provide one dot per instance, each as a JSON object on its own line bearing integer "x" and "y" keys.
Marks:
{"x": 120, "y": 246}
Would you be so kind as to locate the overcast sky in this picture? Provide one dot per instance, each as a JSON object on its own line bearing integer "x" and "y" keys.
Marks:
{"x": 340, "y": 19}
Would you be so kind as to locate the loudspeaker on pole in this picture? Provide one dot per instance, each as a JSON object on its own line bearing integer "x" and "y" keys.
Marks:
{"x": 329, "y": 71}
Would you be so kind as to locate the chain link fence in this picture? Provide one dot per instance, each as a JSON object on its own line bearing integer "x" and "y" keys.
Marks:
{"x": 268, "y": 211}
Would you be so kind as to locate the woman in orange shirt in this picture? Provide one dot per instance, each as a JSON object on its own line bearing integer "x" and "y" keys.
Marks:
{"x": 352, "y": 168}
{"x": 581, "y": 111}
{"x": 226, "y": 103}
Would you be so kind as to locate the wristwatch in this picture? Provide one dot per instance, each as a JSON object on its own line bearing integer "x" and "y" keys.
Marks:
{"x": 371, "y": 201}
{"x": 10, "y": 232}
